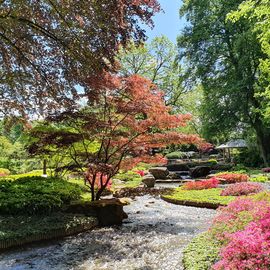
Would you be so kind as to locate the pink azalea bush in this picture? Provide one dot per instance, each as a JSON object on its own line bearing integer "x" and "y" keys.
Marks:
{"x": 266, "y": 170}
{"x": 240, "y": 189}
{"x": 236, "y": 216}
{"x": 231, "y": 178}
{"x": 199, "y": 185}
{"x": 248, "y": 249}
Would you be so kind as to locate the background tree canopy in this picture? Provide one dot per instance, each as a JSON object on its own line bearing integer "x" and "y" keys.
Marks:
{"x": 225, "y": 56}
{"x": 49, "y": 48}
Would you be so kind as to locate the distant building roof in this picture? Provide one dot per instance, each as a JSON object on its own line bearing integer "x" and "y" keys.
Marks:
{"x": 240, "y": 143}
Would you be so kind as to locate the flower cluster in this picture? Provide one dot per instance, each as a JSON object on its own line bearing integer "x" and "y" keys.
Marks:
{"x": 199, "y": 185}
{"x": 249, "y": 248}
{"x": 240, "y": 189}
{"x": 230, "y": 178}
{"x": 243, "y": 229}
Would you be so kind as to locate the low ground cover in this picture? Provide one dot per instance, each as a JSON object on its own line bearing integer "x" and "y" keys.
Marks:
{"x": 208, "y": 196}
{"x": 238, "y": 238}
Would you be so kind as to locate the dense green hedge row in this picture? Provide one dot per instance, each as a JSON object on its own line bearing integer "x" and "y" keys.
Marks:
{"x": 20, "y": 228}
{"x": 36, "y": 195}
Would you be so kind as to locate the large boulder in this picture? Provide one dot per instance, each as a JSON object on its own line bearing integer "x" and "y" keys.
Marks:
{"x": 177, "y": 167}
{"x": 159, "y": 172}
{"x": 108, "y": 211}
{"x": 200, "y": 171}
{"x": 149, "y": 180}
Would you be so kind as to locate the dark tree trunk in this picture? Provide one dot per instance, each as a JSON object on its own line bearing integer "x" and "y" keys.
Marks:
{"x": 263, "y": 141}
{"x": 44, "y": 167}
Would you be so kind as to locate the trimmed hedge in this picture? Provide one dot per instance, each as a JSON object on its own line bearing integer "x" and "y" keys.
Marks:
{"x": 36, "y": 195}
{"x": 201, "y": 253}
{"x": 20, "y": 230}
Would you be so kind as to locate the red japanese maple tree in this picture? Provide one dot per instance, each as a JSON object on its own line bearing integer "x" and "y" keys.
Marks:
{"x": 125, "y": 117}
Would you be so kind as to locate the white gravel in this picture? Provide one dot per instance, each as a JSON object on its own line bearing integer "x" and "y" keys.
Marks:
{"x": 152, "y": 238}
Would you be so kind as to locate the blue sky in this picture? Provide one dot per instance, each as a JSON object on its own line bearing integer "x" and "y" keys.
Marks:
{"x": 167, "y": 23}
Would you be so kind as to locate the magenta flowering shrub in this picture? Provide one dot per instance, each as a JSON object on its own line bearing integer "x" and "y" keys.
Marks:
{"x": 248, "y": 249}
{"x": 240, "y": 189}
{"x": 236, "y": 216}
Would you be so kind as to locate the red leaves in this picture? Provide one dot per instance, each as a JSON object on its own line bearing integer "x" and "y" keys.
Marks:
{"x": 199, "y": 185}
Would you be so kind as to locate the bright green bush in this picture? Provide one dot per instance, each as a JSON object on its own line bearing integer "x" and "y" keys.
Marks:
{"x": 36, "y": 195}
{"x": 259, "y": 178}
{"x": 21, "y": 227}
{"x": 127, "y": 176}
{"x": 213, "y": 161}
{"x": 175, "y": 155}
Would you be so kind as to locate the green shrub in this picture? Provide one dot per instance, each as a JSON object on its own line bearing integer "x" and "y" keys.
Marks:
{"x": 127, "y": 176}
{"x": 22, "y": 227}
{"x": 259, "y": 178}
{"x": 175, "y": 155}
{"x": 36, "y": 195}
{"x": 213, "y": 161}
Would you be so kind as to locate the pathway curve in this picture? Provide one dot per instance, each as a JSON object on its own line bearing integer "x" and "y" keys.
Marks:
{"x": 152, "y": 238}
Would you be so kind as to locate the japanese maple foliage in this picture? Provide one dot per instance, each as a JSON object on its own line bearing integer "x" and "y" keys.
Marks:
{"x": 125, "y": 117}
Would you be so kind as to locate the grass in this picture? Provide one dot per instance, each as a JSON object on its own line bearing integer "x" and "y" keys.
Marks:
{"x": 201, "y": 253}
{"x": 211, "y": 196}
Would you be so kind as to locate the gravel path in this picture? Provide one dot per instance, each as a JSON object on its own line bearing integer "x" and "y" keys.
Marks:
{"x": 152, "y": 238}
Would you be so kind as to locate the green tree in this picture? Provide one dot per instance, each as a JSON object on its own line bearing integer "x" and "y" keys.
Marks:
{"x": 258, "y": 13}
{"x": 156, "y": 61}
{"x": 224, "y": 57}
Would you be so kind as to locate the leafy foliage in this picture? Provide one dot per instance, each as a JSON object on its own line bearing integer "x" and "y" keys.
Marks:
{"x": 230, "y": 178}
{"x": 36, "y": 195}
{"x": 199, "y": 185}
{"x": 224, "y": 57}
{"x": 125, "y": 121}
{"x": 21, "y": 227}
{"x": 50, "y": 48}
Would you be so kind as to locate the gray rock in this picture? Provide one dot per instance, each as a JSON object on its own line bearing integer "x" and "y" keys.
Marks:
{"x": 159, "y": 172}
{"x": 177, "y": 167}
{"x": 200, "y": 171}
{"x": 149, "y": 180}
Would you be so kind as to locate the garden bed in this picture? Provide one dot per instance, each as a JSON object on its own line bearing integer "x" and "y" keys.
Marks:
{"x": 19, "y": 230}
{"x": 206, "y": 198}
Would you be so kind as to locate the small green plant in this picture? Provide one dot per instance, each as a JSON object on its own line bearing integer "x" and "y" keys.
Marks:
{"x": 259, "y": 178}
{"x": 213, "y": 161}
{"x": 175, "y": 155}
